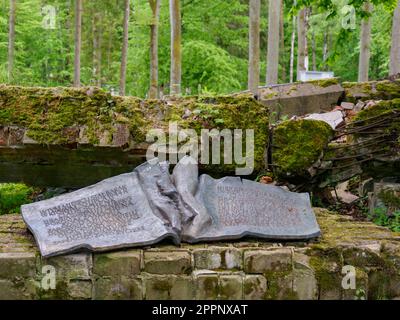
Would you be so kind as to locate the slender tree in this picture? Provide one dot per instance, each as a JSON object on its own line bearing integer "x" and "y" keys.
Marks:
{"x": 254, "y": 46}
{"x": 395, "y": 48}
{"x": 282, "y": 41}
{"x": 155, "y": 8}
{"x": 274, "y": 14}
{"x": 365, "y": 45}
{"x": 11, "y": 40}
{"x": 78, "y": 42}
{"x": 124, "y": 55}
{"x": 97, "y": 42}
{"x": 301, "y": 42}
{"x": 292, "y": 43}
{"x": 176, "y": 50}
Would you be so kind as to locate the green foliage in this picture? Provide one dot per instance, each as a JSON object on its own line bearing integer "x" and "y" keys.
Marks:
{"x": 214, "y": 42}
{"x": 12, "y": 196}
{"x": 206, "y": 65}
{"x": 381, "y": 218}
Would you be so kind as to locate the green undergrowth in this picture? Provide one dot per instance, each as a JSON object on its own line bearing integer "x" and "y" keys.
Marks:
{"x": 13, "y": 195}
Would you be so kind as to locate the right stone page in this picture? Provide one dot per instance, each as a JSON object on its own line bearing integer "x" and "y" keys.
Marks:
{"x": 232, "y": 208}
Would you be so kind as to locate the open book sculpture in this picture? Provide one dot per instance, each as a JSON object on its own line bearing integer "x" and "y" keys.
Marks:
{"x": 150, "y": 204}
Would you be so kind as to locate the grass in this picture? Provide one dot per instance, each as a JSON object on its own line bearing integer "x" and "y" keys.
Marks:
{"x": 13, "y": 195}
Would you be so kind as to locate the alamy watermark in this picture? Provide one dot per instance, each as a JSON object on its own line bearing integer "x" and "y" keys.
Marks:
{"x": 49, "y": 17}
{"x": 210, "y": 147}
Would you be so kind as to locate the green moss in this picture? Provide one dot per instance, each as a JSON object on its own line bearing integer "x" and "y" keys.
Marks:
{"x": 324, "y": 83}
{"x": 279, "y": 286}
{"x": 12, "y": 196}
{"x": 225, "y": 112}
{"x": 55, "y": 116}
{"x": 298, "y": 144}
{"x": 371, "y": 115}
{"x": 373, "y": 90}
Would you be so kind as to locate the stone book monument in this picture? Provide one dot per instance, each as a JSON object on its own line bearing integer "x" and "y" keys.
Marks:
{"x": 150, "y": 204}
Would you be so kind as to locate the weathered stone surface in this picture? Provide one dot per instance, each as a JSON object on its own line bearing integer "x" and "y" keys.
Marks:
{"x": 74, "y": 266}
{"x": 120, "y": 288}
{"x": 302, "y": 98}
{"x": 231, "y": 287}
{"x": 207, "y": 286}
{"x": 80, "y": 289}
{"x": 17, "y": 265}
{"x": 169, "y": 287}
{"x": 261, "y": 261}
{"x": 11, "y": 291}
{"x": 214, "y": 258}
{"x": 333, "y": 118}
{"x": 304, "y": 281}
{"x": 170, "y": 262}
{"x": 254, "y": 287}
{"x": 343, "y": 241}
{"x": 123, "y": 263}
{"x": 114, "y": 213}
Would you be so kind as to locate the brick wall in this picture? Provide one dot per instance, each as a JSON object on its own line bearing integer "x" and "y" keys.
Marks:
{"x": 234, "y": 270}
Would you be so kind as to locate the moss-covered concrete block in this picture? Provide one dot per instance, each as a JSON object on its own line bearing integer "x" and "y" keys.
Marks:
{"x": 170, "y": 262}
{"x": 261, "y": 261}
{"x": 362, "y": 258}
{"x": 162, "y": 287}
{"x": 297, "y": 145}
{"x": 17, "y": 265}
{"x": 214, "y": 258}
{"x": 120, "y": 288}
{"x": 254, "y": 287}
{"x": 116, "y": 264}
{"x": 231, "y": 287}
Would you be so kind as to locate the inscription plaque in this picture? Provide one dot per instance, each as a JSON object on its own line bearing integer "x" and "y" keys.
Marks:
{"x": 147, "y": 205}
{"x": 114, "y": 213}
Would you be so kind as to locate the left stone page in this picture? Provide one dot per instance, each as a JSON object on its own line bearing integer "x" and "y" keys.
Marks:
{"x": 114, "y": 213}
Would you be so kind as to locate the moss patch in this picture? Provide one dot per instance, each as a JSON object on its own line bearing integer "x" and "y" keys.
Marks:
{"x": 373, "y": 90}
{"x": 56, "y": 116}
{"x": 13, "y": 196}
{"x": 298, "y": 144}
{"x": 324, "y": 83}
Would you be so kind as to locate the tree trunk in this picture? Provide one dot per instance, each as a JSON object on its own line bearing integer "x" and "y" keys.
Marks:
{"x": 301, "y": 43}
{"x": 293, "y": 40}
{"x": 176, "y": 53}
{"x": 282, "y": 41}
{"x": 124, "y": 54}
{"x": 11, "y": 40}
{"x": 155, "y": 8}
{"x": 96, "y": 25}
{"x": 254, "y": 46}
{"x": 365, "y": 45}
{"x": 274, "y": 13}
{"x": 314, "y": 54}
{"x": 78, "y": 43}
{"x": 395, "y": 49}
{"x": 325, "y": 51}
